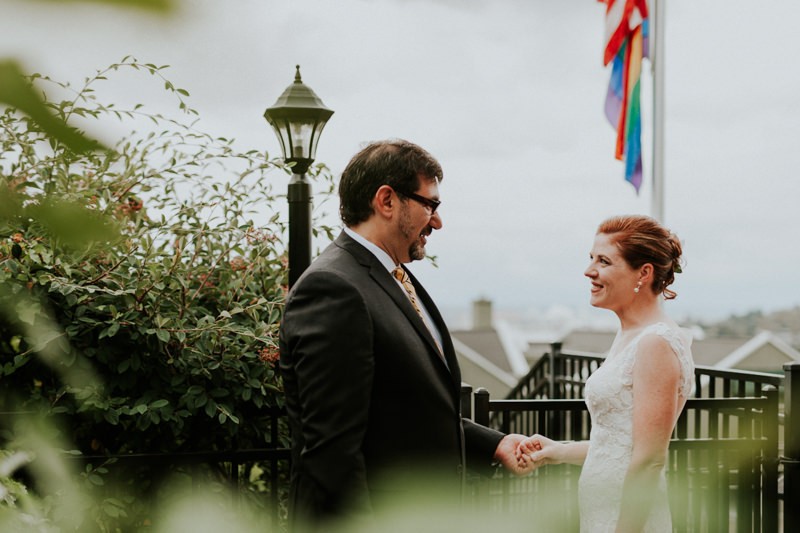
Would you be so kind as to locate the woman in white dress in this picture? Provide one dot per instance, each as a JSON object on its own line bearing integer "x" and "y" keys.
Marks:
{"x": 636, "y": 395}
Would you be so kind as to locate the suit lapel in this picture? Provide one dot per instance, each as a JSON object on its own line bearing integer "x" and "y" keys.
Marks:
{"x": 447, "y": 343}
{"x": 383, "y": 278}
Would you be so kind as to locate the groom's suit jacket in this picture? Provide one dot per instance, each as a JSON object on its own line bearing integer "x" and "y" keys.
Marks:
{"x": 367, "y": 391}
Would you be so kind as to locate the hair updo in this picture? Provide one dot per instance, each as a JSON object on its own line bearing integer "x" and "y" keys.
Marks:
{"x": 641, "y": 239}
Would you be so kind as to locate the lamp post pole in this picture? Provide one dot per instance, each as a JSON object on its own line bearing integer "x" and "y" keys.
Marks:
{"x": 298, "y": 117}
{"x": 299, "y": 197}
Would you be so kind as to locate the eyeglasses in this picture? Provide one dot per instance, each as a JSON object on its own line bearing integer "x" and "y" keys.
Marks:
{"x": 433, "y": 205}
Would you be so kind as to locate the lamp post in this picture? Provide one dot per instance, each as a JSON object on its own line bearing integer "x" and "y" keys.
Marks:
{"x": 298, "y": 117}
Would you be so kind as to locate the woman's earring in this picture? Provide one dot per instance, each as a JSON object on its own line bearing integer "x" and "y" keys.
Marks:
{"x": 638, "y": 286}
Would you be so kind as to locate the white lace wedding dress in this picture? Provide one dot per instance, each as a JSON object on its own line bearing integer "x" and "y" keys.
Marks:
{"x": 609, "y": 397}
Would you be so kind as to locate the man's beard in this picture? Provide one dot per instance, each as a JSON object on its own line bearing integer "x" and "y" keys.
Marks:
{"x": 416, "y": 251}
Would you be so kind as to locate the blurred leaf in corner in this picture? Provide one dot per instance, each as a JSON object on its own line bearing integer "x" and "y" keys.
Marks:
{"x": 163, "y": 6}
{"x": 72, "y": 223}
{"x": 75, "y": 225}
{"x": 10, "y": 206}
{"x": 17, "y": 92}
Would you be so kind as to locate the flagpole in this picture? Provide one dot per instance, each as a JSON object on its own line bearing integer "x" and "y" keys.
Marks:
{"x": 657, "y": 68}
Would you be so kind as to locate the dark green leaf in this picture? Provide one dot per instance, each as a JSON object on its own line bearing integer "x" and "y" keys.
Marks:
{"x": 158, "y": 404}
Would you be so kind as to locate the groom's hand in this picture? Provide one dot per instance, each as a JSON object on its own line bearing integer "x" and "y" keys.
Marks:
{"x": 507, "y": 454}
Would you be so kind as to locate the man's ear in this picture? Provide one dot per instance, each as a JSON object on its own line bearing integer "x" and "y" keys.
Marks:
{"x": 385, "y": 201}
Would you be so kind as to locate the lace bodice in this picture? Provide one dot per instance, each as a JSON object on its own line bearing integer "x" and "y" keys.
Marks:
{"x": 609, "y": 398}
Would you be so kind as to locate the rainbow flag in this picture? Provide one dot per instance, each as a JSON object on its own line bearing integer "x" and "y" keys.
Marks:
{"x": 626, "y": 45}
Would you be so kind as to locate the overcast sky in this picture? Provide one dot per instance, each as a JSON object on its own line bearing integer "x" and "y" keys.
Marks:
{"x": 508, "y": 95}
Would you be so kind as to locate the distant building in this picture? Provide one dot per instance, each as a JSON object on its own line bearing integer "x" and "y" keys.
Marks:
{"x": 489, "y": 354}
{"x": 766, "y": 352}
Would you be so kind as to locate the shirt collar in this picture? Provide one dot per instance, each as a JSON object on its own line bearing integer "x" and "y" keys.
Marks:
{"x": 382, "y": 256}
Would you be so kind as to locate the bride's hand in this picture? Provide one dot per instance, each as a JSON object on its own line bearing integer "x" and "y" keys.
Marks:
{"x": 538, "y": 450}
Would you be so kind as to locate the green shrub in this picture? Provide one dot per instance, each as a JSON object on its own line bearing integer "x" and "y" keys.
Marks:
{"x": 141, "y": 287}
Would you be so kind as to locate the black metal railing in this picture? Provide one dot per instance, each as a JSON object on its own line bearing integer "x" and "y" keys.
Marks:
{"x": 557, "y": 375}
{"x": 234, "y": 467}
{"x": 562, "y": 375}
{"x": 737, "y": 437}
{"x": 230, "y": 466}
{"x": 712, "y": 382}
{"x": 721, "y": 475}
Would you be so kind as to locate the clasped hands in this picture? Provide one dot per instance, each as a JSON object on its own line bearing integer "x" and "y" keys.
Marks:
{"x": 521, "y": 455}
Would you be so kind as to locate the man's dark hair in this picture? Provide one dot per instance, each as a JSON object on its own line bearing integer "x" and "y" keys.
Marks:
{"x": 396, "y": 163}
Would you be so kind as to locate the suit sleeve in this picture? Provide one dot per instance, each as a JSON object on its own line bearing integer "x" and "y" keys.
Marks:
{"x": 481, "y": 443}
{"x": 329, "y": 338}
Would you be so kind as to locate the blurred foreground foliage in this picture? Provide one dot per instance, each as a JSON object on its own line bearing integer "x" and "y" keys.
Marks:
{"x": 16, "y": 92}
{"x": 141, "y": 287}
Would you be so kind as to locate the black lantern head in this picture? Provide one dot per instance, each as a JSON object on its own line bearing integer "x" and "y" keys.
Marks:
{"x": 298, "y": 117}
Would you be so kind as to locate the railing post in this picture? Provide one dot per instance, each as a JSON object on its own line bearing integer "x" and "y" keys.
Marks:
{"x": 791, "y": 452}
{"x": 769, "y": 465}
{"x": 555, "y": 351}
{"x": 482, "y": 406}
{"x": 466, "y": 400}
{"x": 554, "y": 425}
{"x": 274, "y": 475}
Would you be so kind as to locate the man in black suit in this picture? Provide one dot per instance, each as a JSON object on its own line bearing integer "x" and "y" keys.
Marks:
{"x": 370, "y": 374}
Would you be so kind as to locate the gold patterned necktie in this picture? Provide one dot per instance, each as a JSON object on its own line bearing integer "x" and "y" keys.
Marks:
{"x": 402, "y": 276}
